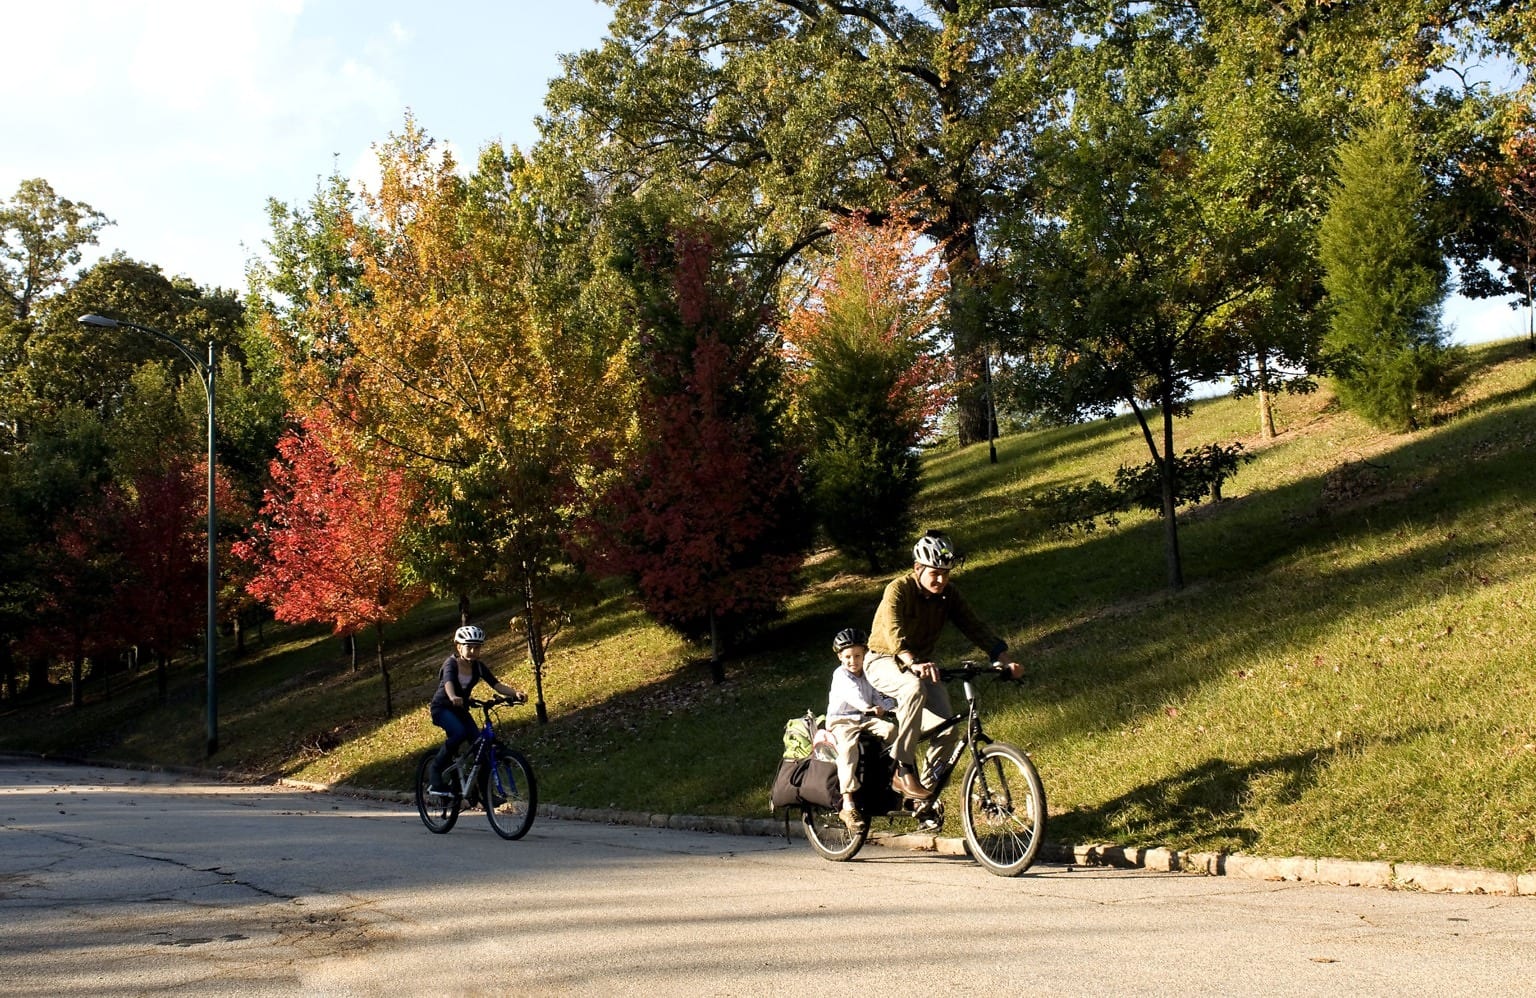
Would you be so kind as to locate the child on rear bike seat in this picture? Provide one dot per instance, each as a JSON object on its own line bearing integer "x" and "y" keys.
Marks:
{"x": 450, "y": 709}
{"x": 854, "y": 706}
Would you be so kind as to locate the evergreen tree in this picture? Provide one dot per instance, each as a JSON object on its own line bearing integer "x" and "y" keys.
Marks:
{"x": 1385, "y": 279}
{"x": 864, "y": 347}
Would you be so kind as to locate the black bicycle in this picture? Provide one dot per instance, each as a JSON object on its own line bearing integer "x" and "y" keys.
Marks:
{"x": 1002, "y": 798}
{"x": 488, "y": 772}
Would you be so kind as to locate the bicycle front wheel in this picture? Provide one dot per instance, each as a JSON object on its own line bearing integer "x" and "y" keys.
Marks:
{"x": 438, "y": 811}
{"x": 510, "y": 793}
{"x": 1004, "y": 810}
{"x": 825, "y": 831}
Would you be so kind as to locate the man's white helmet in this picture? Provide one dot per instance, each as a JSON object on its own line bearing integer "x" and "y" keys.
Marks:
{"x": 933, "y": 550}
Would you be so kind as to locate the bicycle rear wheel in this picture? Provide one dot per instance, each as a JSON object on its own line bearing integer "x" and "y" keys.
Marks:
{"x": 825, "y": 831}
{"x": 438, "y": 811}
{"x": 1004, "y": 810}
{"x": 510, "y": 793}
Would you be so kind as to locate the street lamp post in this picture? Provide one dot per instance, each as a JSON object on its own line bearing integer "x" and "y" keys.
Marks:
{"x": 205, "y": 371}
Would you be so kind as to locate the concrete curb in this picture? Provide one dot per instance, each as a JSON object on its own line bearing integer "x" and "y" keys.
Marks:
{"x": 1300, "y": 869}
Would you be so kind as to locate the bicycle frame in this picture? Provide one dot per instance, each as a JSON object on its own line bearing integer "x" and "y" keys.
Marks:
{"x": 975, "y": 739}
{"x": 481, "y": 750}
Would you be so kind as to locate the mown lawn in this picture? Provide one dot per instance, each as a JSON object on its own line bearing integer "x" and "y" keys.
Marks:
{"x": 1347, "y": 671}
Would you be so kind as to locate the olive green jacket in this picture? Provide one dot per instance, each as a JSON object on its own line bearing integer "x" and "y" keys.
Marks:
{"x": 910, "y": 620}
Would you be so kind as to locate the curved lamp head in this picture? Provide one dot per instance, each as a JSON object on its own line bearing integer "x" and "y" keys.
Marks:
{"x": 93, "y": 319}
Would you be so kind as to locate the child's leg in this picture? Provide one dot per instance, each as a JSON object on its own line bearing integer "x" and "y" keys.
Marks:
{"x": 457, "y": 728}
{"x": 845, "y": 737}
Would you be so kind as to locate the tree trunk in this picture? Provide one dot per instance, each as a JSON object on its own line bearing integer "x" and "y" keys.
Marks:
{"x": 76, "y": 677}
{"x": 1266, "y": 402}
{"x": 389, "y": 700}
{"x": 716, "y": 666}
{"x": 535, "y": 635}
{"x": 37, "y": 675}
{"x": 1168, "y": 475}
{"x": 967, "y": 305}
{"x": 463, "y": 609}
{"x": 160, "y": 676}
{"x": 1170, "y": 504}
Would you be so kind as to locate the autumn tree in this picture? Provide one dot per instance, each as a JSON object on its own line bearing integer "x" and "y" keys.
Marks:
{"x": 867, "y": 381}
{"x": 707, "y": 516}
{"x": 157, "y": 524}
{"x": 329, "y": 544}
{"x": 462, "y": 338}
{"x": 1386, "y": 280}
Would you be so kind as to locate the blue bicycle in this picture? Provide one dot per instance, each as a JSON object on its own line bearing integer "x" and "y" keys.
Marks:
{"x": 489, "y": 772}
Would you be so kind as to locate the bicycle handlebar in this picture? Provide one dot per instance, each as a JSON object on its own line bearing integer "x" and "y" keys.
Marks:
{"x": 495, "y": 701}
{"x": 970, "y": 670}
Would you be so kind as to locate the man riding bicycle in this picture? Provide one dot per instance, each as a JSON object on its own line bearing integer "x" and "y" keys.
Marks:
{"x": 911, "y": 616}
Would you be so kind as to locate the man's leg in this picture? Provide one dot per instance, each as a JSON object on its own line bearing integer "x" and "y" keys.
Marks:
{"x": 885, "y": 674}
{"x": 937, "y": 710}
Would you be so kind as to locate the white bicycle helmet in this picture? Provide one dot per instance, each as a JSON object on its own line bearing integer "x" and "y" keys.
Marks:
{"x": 469, "y": 634}
{"x": 933, "y": 550}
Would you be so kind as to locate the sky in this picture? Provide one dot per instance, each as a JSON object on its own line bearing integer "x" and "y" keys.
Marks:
{"x": 179, "y": 119}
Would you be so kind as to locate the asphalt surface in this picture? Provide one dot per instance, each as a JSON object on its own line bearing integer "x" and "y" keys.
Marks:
{"x": 115, "y": 882}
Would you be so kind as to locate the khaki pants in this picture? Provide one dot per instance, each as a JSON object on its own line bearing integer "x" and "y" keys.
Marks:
{"x": 845, "y": 735}
{"x": 919, "y": 704}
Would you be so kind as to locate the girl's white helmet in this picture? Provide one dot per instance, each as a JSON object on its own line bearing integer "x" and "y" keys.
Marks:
{"x": 469, "y": 634}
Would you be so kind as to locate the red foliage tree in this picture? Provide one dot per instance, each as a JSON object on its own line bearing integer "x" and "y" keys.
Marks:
{"x": 708, "y": 519}
{"x": 159, "y": 526}
{"x": 77, "y": 569}
{"x": 329, "y": 544}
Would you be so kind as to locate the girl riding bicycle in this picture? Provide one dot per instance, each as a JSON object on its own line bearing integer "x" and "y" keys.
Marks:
{"x": 461, "y": 671}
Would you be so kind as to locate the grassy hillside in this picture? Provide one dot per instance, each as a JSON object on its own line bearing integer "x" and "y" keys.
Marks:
{"x": 1347, "y": 672}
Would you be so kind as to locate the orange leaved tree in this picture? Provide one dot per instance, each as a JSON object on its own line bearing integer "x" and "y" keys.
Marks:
{"x": 329, "y": 544}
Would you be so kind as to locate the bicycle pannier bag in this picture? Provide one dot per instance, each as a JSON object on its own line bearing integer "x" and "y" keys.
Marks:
{"x": 806, "y": 781}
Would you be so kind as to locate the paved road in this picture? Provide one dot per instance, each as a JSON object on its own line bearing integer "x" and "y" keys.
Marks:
{"x": 115, "y": 882}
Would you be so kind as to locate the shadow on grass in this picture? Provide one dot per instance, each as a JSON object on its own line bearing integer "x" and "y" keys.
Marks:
{"x": 1200, "y": 807}
{"x": 679, "y": 741}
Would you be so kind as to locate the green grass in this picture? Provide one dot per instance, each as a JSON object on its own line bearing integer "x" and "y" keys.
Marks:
{"x": 1347, "y": 672}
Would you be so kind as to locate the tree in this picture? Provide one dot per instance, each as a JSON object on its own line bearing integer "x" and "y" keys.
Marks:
{"x": 66, "y": 363}
{"x": 1516, "y": 185}
{"x": 1133, "y": 277}
{"x": 868, "y": 381}
{"x": 330, "y": 544}
{"x": 157, "y": 528}
{"x": 40, "y": 238}
{"x": 455, "y": 352}
{"x": 707, "y": 517}
{"x": 1385, "y": 278}
{"x": 785, "y": 114}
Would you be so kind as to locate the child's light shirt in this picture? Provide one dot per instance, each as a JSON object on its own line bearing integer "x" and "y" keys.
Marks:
{"x": 852, "y": 695}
